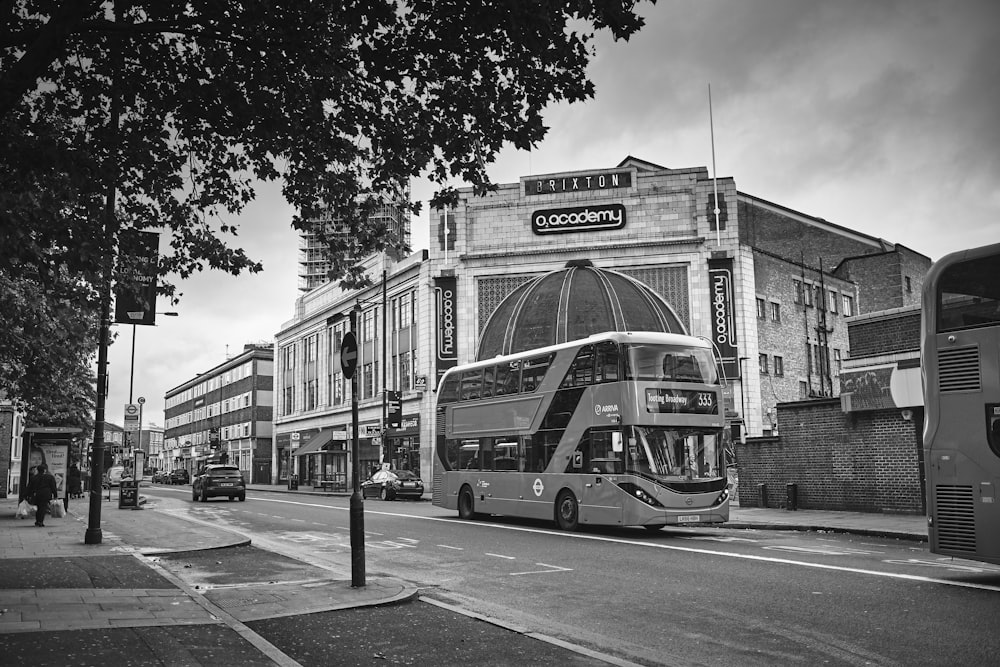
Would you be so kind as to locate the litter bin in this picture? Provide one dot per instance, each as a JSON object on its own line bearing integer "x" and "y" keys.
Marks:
{"x": 792, "y": 496}
{"x": 293, "y": 482}
{"x": 762, "y": 494}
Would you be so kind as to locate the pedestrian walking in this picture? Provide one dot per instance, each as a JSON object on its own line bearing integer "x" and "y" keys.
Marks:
{"x": 41, "y": 488}
{"x": 75, "y": 482}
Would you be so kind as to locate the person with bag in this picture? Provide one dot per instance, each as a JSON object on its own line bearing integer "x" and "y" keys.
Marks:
{"x": 42, "y": 488}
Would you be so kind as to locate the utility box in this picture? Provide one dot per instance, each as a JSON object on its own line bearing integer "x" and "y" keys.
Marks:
{"x": 791, "y": 497}
{"x": 293, "y": 482}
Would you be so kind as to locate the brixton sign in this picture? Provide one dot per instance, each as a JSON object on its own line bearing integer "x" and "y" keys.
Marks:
{"x": 578, "y": 219}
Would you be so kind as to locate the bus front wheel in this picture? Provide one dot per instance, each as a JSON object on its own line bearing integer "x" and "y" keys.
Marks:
{"x": 466, "y": 504}
{"x": 567, "y": 511}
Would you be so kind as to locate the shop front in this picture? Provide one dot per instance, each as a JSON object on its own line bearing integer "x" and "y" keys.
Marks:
{"x": 403, "y": 444}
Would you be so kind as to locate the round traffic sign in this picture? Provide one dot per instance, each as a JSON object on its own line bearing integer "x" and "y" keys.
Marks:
{"x": 349, "y": 354}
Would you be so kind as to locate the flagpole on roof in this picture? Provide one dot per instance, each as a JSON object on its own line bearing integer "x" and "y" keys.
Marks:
{"x": 715, "y": 175}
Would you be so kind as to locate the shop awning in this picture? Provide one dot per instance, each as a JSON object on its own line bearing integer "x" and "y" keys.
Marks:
{"x": 316, "y": 444}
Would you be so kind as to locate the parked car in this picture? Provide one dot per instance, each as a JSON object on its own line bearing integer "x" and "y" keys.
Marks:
{"x": 392, "y": 484}
{"x": 179, "y": 476}
{"x": 161, "y": 477}
{"x": 116, "y": 474}
{"x": 219, "y": 480}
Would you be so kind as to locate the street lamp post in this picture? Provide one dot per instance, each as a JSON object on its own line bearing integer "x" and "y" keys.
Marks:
{"x": 131, "y": 378}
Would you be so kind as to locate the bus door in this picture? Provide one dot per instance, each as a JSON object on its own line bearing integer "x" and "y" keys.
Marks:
{"x": 597, "y": 460}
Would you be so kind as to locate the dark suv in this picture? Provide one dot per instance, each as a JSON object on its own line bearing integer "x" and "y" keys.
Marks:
{"x": 179, "y": 476}
{"x": 219, "y": 480}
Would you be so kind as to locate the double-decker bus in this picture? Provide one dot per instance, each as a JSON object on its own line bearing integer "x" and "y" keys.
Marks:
{"x": 960, "y": 359}
{"x": 621, "y": 429}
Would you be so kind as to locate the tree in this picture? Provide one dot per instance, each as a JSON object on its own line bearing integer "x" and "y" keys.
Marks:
{"x": 343, "y": 101}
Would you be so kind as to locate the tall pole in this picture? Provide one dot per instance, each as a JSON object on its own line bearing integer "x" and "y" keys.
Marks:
{"x": 94, "y": 535}
{"x": 356, "y": 512}
{"x": 385, "y": 366}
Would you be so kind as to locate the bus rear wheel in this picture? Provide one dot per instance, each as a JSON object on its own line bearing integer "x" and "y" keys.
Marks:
{"x": 567, "y": 511}
{"x": 466, "y": 504}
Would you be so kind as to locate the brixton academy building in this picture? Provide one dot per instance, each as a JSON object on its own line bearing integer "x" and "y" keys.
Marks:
{"x": 558, "y": 257}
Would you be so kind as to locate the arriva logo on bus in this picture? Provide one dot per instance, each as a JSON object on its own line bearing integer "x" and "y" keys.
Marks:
{"x": 606, "y": 409}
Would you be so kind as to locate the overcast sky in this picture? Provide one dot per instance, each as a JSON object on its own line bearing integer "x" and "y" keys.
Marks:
{"x": 877, "y": 115}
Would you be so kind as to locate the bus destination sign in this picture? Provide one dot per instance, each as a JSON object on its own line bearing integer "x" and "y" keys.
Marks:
{"x": 681, "y": 400}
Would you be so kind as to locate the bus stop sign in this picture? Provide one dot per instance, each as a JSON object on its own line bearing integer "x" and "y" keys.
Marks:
{"x": 349, "y": 354}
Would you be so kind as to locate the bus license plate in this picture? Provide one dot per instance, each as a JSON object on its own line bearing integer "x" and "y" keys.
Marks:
{"x": 688, "y": 518}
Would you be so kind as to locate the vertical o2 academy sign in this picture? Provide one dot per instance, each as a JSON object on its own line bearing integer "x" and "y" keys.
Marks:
{"x": 446, "y": 304}
{"x": 720, "y": 280}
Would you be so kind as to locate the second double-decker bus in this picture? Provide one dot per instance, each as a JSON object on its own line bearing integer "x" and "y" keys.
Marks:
{"x": 960, "y": 361}
{"x": 621, "y": 429}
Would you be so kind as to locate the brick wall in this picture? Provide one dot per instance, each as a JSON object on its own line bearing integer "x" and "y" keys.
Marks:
{"x": 861, "y": 462}
{"x": 885, "y": 333}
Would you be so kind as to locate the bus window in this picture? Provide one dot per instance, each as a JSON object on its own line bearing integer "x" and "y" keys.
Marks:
{"x": 472, "y": 385}
{"x": 599, "y": 454}
{"x": 607, "y": 361}
{"x": 671, "y": 363}
{"x": 468, "y": 455}
{"x": 448, "y": 392}
{"x": 533, "y": 372}
{"x": 488, "y": 374}
{"x": 506, "y": 456}
{"x": 968, "y": 295}
{"x": 581, "y": 371}
{"x": 674, "y": 452}
{"x": 543, "y": 446}
{"x": 508, "y": 378}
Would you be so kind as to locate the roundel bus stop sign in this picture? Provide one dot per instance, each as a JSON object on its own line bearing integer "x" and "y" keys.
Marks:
{"x": 349, "y": 354}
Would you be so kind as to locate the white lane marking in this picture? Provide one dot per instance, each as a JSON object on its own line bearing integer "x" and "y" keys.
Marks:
{"x": 550, "y": 568}
{"x": 949, "y": 565}
{"x": 487, "y": 553}
{"x": 654, "y": 545}
{"x": 711, "y": 538}
{"x": 823, "y": 551}
{"x": 447, "y": 546}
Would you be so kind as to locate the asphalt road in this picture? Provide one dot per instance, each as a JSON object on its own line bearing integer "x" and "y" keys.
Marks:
{"x": 686, "y": 596}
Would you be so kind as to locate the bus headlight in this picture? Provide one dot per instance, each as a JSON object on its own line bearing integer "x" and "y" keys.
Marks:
{"x": 639, "y": 493}
{"x": 722, "y": 497}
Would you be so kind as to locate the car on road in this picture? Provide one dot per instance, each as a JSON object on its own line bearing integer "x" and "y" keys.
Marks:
{"x": 392, "y": 484}
{"x": 116, "y": 474}
{"x": 179, "y": 476}
{"x": 219, "y": 480}
{"x": 160, "y": 477}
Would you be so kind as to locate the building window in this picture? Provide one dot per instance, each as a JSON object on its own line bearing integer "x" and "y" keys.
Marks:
{"x": 779, "y": 365}
{"x": 807, "y": 291}
{"x": 797, "y": 296}
{"x": 775, "y": 312}
{"x": 311, "y": 386}
{"x": 909, "y": 285}
{"x": 803, "y": 389}
{"x": 762, "y": 363}
{"x": 833, "y": 302}
{"x": 848, "y": 309}
{"x": 760, "y": 308}
{"x": 837, "y": 359}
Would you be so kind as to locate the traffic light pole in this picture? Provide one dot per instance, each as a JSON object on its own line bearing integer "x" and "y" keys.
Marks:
{"x": 356, "y": 512}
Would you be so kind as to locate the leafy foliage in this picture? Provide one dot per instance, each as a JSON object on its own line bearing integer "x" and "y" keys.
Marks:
{"x": 345, "y": 102}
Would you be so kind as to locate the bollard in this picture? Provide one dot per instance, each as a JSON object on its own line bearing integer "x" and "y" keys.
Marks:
{"x": 791, "y": 497}
{"x": 762, "y": 494}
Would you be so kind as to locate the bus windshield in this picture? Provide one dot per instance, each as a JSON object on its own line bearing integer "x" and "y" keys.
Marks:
{"x": 672, "y": 363}
{"x": 686, "y": 453}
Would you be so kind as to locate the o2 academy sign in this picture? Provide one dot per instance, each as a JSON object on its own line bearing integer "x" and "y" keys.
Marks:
{"x": 578, "y": 219}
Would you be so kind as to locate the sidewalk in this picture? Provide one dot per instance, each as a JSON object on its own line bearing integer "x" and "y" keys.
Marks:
{"x": 64, "y": 601}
